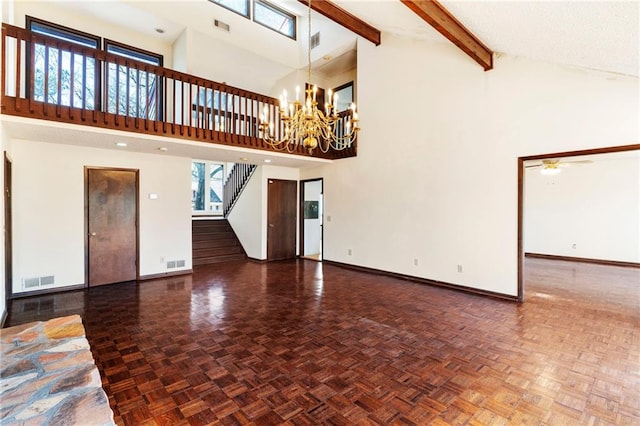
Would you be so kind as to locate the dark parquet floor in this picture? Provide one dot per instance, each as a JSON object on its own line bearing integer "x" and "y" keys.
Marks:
{"x": 300, "y": 343}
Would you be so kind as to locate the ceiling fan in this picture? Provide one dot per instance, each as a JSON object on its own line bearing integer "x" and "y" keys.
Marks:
{"x": 552, "y": 167}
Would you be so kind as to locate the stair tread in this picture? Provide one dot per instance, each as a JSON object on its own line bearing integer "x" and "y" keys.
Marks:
{"x": 213, "y": 241}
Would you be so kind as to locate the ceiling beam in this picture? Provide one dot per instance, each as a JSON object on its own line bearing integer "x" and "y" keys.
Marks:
{"x": 446, "y": 24}
{"x": 346, "y": 19}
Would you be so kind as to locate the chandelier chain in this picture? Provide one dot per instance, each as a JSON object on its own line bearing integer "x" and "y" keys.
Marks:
{"x": 304, "y": 123}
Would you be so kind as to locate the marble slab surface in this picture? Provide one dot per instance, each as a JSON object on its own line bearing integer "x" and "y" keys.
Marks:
{"x": 48, "y": 376}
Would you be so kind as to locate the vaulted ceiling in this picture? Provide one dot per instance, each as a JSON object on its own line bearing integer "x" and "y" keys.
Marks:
{"x": 588, "y": 34}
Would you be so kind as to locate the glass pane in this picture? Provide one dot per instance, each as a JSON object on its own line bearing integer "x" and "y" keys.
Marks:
{"x": 345, "y": 97}
{"x": 238, "y": 6}
{"x": 216, "y": 188}
{"x": 197, "y": 186}
{"x": 133, "y": 54}
{"x": 60, "y": 33}
{"x": 46, "y": 63}
{"x": 274, "y": 18}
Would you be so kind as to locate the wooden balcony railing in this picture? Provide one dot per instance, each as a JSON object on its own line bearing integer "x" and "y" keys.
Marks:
{"x": 51, "y": 79}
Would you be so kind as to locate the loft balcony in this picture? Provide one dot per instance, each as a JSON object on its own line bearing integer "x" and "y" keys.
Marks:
{"x": 50, "y": 79}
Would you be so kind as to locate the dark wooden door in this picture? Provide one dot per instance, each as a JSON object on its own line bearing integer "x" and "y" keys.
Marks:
{"x": 281, "y": 219}
{"x": 112, "y": 212}
{"x": 8, "y": 238}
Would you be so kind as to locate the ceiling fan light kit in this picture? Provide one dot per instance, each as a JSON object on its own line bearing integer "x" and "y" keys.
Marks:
{"x": 553, "y": 167}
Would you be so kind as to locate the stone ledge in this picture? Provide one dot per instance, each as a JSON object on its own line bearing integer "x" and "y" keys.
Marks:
{"x": 48, "y": 376}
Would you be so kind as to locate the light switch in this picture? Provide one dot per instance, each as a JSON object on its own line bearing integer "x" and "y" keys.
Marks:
{"x": 153, "y": 196}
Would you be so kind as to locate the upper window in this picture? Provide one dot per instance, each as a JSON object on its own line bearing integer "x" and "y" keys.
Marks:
{"x": 239, "y": 6}
{"x": 62, "y": 33}
{"x": 59, "y": 76}
{"x": 64, "y": 77}
{"x": 275, "y": 18}
{"x": 133, "y": 53}
{"x": 264, "y": 13}
{"x": 130, "y": 91}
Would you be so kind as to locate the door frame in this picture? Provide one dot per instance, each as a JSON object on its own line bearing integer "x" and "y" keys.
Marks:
{"x": 296, "y": 237}
{"x": 521, "y": 161}
{"x": 8, "y": 228}
{"x": 86, "y": 217}
{"x": 301, "y": 216}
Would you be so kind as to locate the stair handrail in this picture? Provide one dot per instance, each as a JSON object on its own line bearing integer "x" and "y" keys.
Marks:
{"x": 234, "y": 185}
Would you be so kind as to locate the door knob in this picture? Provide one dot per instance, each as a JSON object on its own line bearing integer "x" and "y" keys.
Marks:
{"x": 270, "y": 225}
{"x": 93, "y": 234}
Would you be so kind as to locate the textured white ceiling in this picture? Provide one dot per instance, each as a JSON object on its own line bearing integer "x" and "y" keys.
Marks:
{"x": 599, "y": 35}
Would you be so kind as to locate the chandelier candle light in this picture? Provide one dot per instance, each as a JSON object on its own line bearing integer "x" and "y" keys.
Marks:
{"x": 307, "y": 125}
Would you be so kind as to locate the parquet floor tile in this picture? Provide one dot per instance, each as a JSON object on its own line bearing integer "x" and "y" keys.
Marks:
{"x": 302, "y": 343}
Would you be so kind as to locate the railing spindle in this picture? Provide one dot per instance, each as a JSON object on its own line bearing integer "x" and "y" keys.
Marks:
{"x": 219, "y": 113}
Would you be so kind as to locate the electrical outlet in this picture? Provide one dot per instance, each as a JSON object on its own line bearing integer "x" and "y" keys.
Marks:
{"x": 459, "y": 268}
{"x": 415, "y": 262}
{"x": 349, "y": 252}
{"x": 161, "y": 259}
{"x": 574, "y": 246}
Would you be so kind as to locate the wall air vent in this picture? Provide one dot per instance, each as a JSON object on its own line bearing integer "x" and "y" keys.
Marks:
{"x": 38, "y": 281}
{"x": 315, "y": 40}
{"x": 222, "y": 25}
{"x": 171, "y": 264}
{"x": 180, "y": 263}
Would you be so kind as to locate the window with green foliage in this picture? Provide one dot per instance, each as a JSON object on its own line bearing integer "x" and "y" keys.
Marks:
{"x": 73, "y": 79}
{"x": 140, "y": 88}
{"x": 207, "y": 183}
{"x": 61, "y": 77}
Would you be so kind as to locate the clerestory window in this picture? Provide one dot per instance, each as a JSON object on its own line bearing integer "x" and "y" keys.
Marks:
{"x": 263, "y": 13}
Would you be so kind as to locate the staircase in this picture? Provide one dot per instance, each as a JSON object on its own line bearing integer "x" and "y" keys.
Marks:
{"x": 213, "y": 241}
{"x": 235, "y": 183}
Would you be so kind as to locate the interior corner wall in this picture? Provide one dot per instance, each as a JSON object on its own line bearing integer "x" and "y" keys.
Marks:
{"x": 49, "y": 206}
{"x": 232, "y": 65}
{"x": 589, "y": 211}
{"x": 435, "y": 183}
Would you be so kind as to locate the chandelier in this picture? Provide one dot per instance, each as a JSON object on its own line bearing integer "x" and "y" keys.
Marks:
{"x": 306, "y": 124}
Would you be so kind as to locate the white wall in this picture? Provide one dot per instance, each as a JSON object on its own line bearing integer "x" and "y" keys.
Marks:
{"x": 436, "y": 174}
{"x": 79, "y": 15}
{"x": 245, "y": 216}
{"x": 249, "y": 216}
{"x": 48, "y": 209}
{"x": 223, "y": 62}
{"x": 594, "y": 206}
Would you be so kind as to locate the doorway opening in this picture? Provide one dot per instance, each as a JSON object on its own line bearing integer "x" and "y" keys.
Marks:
{"x": 8, "y": 239}
{"x": 531, "y": 161}
{"x": 311, "y": 219}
